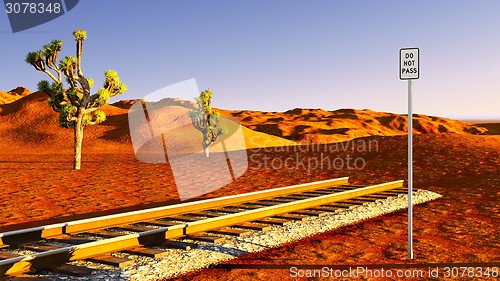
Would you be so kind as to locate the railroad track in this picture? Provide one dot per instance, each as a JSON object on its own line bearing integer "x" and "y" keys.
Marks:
{"x": 53, "y": 247}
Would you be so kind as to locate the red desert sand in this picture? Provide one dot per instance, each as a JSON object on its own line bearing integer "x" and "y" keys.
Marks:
{"x": 39, "y": 187}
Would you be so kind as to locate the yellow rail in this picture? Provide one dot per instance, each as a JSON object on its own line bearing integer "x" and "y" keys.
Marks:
{"x": 87, "y": 250}
{"x": 36, "y": 233}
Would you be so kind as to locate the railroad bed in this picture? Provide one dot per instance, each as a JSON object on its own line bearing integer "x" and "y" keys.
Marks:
{"x": 53, "y": 247}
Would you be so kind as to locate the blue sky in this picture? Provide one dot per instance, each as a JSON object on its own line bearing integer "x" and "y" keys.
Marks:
{"x": 276, "y": 55}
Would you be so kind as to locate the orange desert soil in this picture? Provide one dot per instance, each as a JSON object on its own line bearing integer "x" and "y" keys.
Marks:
{"x": 461, "y": 227}
{"x": 38, "y": 186}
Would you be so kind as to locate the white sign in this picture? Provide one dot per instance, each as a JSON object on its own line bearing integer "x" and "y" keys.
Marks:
{"x": 408, "y": 64}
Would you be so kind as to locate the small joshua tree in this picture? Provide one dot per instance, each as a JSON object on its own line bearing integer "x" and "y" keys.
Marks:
{"x": 206, "y": 120}
{"x": 76, "y": 106}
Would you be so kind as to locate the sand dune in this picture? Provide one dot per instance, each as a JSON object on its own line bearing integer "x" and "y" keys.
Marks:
{"x": 30, "y": 121}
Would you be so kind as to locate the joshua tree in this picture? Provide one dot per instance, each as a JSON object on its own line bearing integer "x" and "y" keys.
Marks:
{"x": 206, "y": 120}
{"x": 76, "y": 106}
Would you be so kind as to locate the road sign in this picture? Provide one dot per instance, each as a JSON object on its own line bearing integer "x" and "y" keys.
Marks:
{"x": 408, "y": 70}
{"x": 409, "y": 64}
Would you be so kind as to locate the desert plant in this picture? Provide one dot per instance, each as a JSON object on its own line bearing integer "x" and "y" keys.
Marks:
{"x": 206, "y": 120}
{"x": 76, "y": 106}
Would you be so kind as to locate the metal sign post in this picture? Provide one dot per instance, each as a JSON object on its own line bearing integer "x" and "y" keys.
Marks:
{"x": 410, "y": 174}
{"x": 409, "y": 69}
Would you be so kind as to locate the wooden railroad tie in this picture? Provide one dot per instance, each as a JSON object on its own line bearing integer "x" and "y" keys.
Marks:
{"x": 104, "y": 233}
{"x": 111, "y": 260}
{"x": 146, "y": 252}
{"x": 273, "y": 221}
{"x": 162, "y": 223}
{"x": 282, "y": 200}
{"x": 309, "y": 212}
{"x": 326, "y": 208}
{"x": 178, "y": 245}
{"x": 39, "y": 248}
{"x": 8, "y": 255}
{"x": 253, "y": 226}
{"x": 134, "y": 228}
{"x": 205, "y": 238}
{"x": 72, "y": 240}
{"x": 295, "y": 217}
{"x": 230, "y": 232}
{"x": 73, "y": 270}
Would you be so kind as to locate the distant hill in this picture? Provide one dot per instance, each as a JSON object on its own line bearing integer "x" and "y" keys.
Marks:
{"x": 492, "y": 127}
{"x": 321, "y": 126}
{"x": 13, "y": 95}
{"x": 28, "y": 120}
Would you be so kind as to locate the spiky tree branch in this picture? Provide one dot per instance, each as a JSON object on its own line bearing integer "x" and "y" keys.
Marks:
{"x": 76, "y": 106}
{"x": 51, "y": 52}
{"x": 206, "y": 120}
{"x": 80, "y": 36}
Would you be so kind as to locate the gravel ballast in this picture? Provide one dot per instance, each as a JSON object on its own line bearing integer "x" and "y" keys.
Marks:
{"x": 182, "y": 261}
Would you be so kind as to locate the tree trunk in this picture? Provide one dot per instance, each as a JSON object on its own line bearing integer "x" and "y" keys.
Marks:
{"x": 207, "y": 152}
{"x": 78, "y": 140}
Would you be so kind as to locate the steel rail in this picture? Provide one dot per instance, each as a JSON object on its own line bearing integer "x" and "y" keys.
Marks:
{"x": 63, "y": 255}
{"x": 73, "y": 227}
